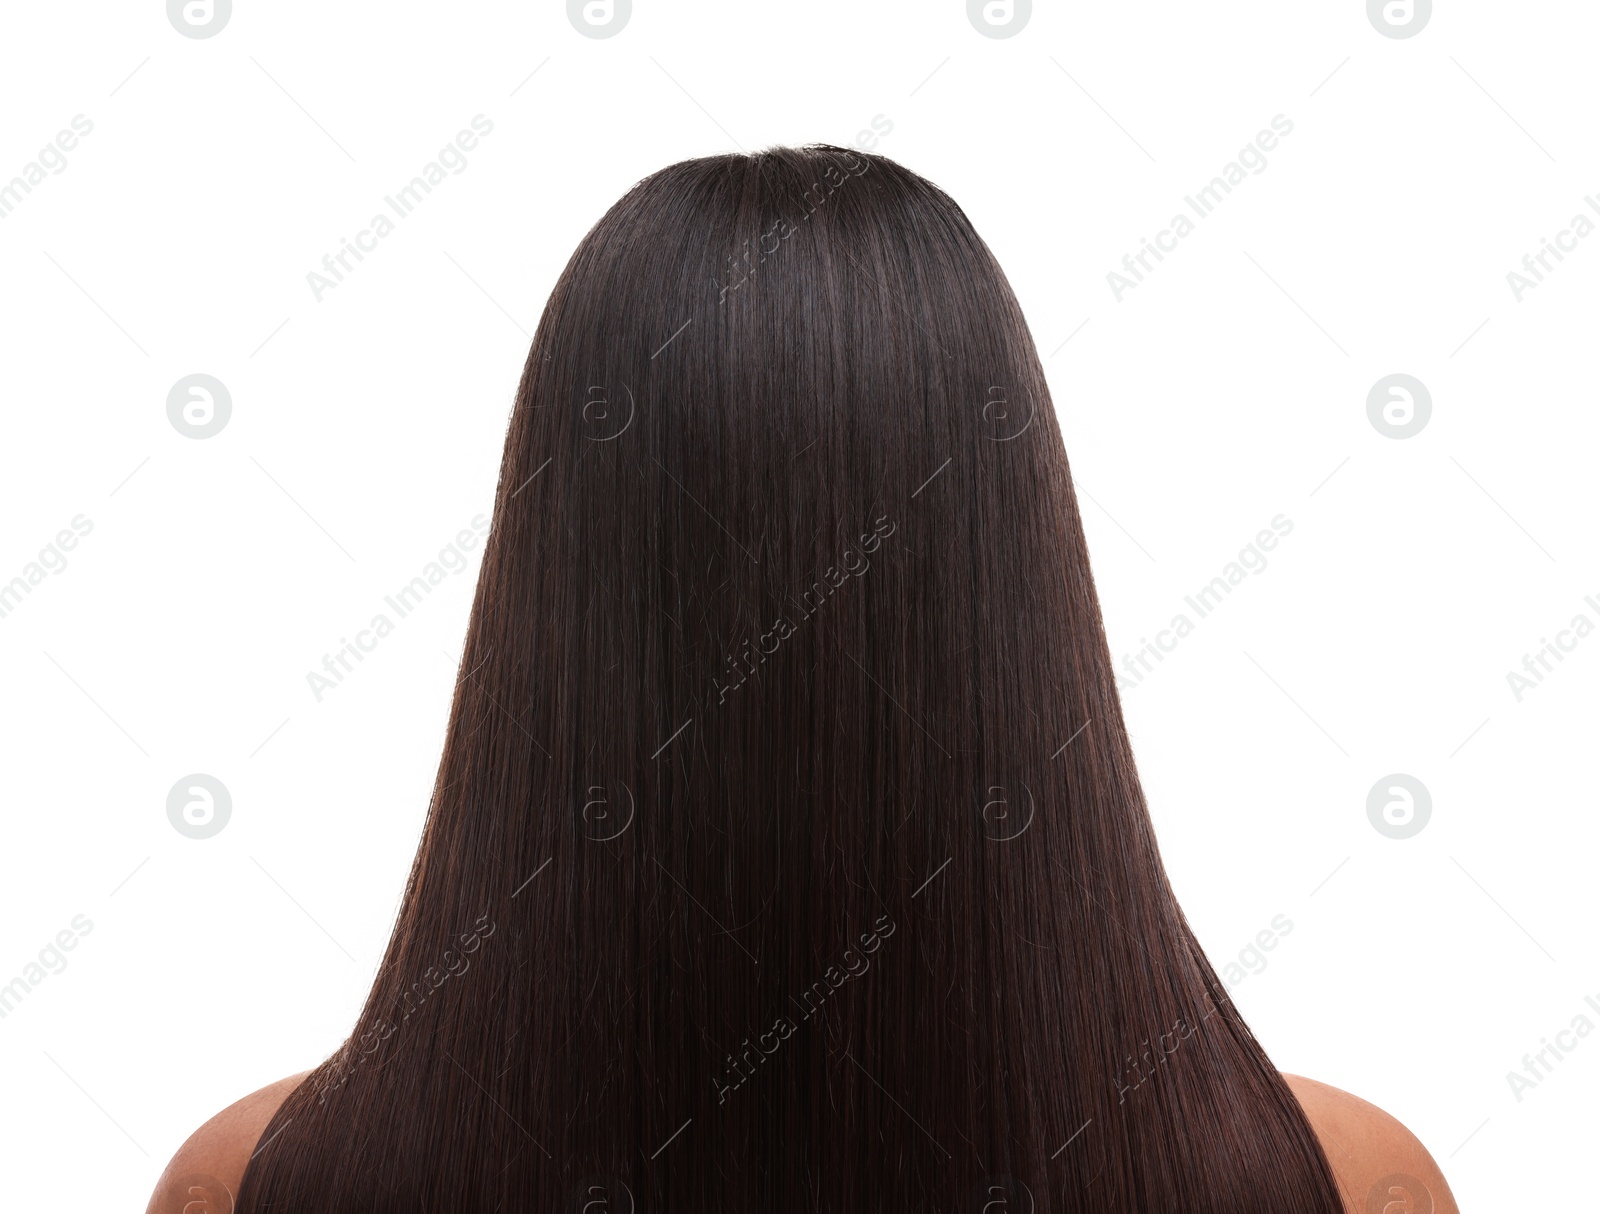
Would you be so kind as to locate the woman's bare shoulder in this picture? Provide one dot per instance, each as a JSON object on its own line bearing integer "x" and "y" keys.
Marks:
{"x": 1373, "y": 1155}
{"x": 1379, "y": 1164}
{"x": 215, "y": 1155}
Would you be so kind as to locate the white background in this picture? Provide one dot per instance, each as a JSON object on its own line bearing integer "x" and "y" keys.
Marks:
{"x": 1227, "y": 388}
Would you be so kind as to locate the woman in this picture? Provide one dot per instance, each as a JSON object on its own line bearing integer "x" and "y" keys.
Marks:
{"x": 787, "y": 850}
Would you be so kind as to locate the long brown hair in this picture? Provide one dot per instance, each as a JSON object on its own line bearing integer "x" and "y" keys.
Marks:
{"x": 787, "y": 850}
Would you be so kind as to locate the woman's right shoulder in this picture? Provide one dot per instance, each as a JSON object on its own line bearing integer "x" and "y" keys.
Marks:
{"x": 206, "y": 1171}
{"x": 1378, "y": 1163}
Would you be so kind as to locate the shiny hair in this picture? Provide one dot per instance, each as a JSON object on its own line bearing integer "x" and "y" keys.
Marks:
{"x": 787, "y": 850}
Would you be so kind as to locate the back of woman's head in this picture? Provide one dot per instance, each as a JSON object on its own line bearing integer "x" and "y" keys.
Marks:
{"x": 787, "y": 851}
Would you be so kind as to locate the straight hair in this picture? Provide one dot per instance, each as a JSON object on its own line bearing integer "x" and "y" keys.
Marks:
{"x": 787, "y": 851}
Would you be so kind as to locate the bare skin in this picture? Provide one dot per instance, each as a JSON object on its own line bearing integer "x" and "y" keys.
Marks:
{"x": 1373, "y": 1155}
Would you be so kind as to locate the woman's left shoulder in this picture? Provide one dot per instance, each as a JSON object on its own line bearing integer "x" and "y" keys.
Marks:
{"x": 206, "y": 1171}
